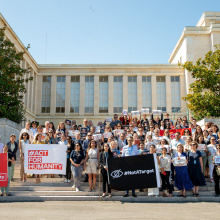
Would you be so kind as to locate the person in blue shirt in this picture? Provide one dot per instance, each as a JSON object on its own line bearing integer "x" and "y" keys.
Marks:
{"x": 142, "y": 150}
{"x": 130, "y": 150}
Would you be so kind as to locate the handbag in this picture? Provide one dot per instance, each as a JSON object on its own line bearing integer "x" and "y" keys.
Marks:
{"x": 218, "y": 170}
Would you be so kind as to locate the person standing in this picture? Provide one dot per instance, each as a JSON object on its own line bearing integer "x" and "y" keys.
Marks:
{"x": 24, "y": 139}
{"x": 215, "y": 173}
{"x": 195, "y": 168}
{"x": 34, "y": 127}
{"x": 77, "y": 159}
{"x": 91, "y": 164}
{"x": 85, "y": 147}
{"x": 165, "y": 167}
{"x": 70, "y": 147}
{"x": 174, "y": 144}
{"x": 104, "y": 155}
{"x": 10, "y": 161}
{"x": 38, "y": 140}
{"x": 129, "y": 150}
{"x": 28, "y": 130}
{"x": 13, "y": 147}
{"x": 182, "y": 181}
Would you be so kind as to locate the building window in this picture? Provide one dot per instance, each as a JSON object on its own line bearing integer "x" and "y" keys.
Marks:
{"x": 89, "y": 94}
{"x": 103, "y": 94}
{"x": 74, "y": 94}
{"x": 161, "y": 93}
{"x": 46, "y": 94}
{"x": 175, "y": 94}
{"x": 132, "y": 93}
{"x": 118, "y": 94}
{"x": 60, "y": 95}
{"x": 146, "y": 92}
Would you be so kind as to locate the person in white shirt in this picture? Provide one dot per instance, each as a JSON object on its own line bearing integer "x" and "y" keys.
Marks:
{"x": 165, "y": 167}
{"x": 47, "y": 127}
{"x": 28, "y": 130}
{"x": 173, "y": 146}
{"x": 34, "y": 127}
{"x": 130, "y": 150}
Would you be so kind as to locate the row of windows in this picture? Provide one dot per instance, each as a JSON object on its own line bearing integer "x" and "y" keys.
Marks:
{"x": 103, "y": 94}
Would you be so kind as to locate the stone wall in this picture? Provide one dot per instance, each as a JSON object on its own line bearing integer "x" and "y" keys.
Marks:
{"x": 213, "y": 120}
{"x": 8, "y": 127}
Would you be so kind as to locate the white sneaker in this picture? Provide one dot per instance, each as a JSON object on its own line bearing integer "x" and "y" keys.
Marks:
{"x": 65, "y": 181}
{"x": 73, "y": 186}
{"x": 68, "y": 181}
{"x": 77, "y": 189}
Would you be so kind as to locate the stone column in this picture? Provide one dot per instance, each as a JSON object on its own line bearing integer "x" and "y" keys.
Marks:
{"x": 33, "y": 110}
{"x": 125, "y": 92}
{"x": 183, "y": 94}
{"x": 154, "y": 92}
{"x": 168, "y": 94}
{"x": 110, "y": 95}
{"x": 38, "y": 99}
{"x": 67, "y": 95}
{"x": 139, "y": 92}
{"x": 82, "y": 96}
{"x": 96, "y": 95}
{"x": 53, "y": 95}
{"x": 29, "y": 91}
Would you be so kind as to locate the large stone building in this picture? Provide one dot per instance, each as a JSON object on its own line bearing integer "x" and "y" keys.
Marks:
{"x": 97, "y": 91}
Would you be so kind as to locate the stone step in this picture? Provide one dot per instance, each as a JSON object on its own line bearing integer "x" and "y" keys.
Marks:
{"x": 144, "y": 199}
{"x": 96, "y": 193}
{"x": 68, "y": 187}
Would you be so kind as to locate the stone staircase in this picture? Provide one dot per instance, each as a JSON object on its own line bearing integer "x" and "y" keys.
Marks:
{"x": 54, "y": 189}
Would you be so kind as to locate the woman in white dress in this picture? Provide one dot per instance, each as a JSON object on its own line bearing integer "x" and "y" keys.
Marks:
{"x": 91, "y": 164}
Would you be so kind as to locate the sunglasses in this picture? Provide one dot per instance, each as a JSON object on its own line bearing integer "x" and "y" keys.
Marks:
{"x": 68, "y": 139}
{"x": 212, "y": 139}
{"x": 210, "y": 131}
{"x": 89, "y": 135}
{"x": 193, "y": 144}
{"x": 50, "y": 132}
{"x": 24, "y": 135}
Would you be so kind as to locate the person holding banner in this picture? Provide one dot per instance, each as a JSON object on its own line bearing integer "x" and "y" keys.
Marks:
{"x": 182, "y": 181}
{"x": 165, "y": 167}
{"x": 77, "y": 160}
{"x": 38, "y": 140}
{"x": 104, "y": 155}
{"x": 10, "y": 161}
{"x": 91, "y": 163}
{"x": 129, "y": 150}
{"x": 153, "y": 191}
{"x": 195, "y": 168}
{"x": 24, "y": 139}
{"x": 70, "y": 147}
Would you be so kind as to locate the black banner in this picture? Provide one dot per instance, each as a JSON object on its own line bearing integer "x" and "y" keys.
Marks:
{"x": 135, "y": 172}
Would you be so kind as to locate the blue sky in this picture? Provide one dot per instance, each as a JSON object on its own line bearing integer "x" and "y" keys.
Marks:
{"x": 102, "y": 31}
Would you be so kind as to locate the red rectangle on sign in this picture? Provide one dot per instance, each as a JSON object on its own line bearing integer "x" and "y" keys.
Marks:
{"x": 34, "y": 159}
{"x": 37, "y": 153}
{"x": 4, "y": 170}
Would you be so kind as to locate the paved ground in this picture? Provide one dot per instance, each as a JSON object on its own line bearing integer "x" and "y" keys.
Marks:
{"x": 108, "y": 210}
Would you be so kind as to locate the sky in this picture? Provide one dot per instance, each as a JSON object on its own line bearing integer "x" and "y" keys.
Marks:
{"x": 102, "y": 31}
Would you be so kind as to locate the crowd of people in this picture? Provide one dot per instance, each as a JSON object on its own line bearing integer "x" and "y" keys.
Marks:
{"x": 186, "y": 153}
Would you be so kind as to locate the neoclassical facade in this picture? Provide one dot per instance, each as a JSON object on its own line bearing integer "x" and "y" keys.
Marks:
{"x": 97, "y": 91}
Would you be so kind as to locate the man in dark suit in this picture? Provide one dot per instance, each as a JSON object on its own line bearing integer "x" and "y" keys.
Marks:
{"x": 13, "y": 146}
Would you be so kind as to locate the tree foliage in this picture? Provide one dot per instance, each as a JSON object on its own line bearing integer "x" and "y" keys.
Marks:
{"x": 12, "y": 80}
{"x": 203, "y": 99}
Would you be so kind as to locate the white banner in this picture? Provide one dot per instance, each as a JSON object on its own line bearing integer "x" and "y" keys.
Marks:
{"x": 45, "y": 159}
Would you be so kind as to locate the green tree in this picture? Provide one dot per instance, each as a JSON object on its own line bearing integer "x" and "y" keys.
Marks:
{"x": 203, "y": 99}
{"x": 12, "y": 82}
